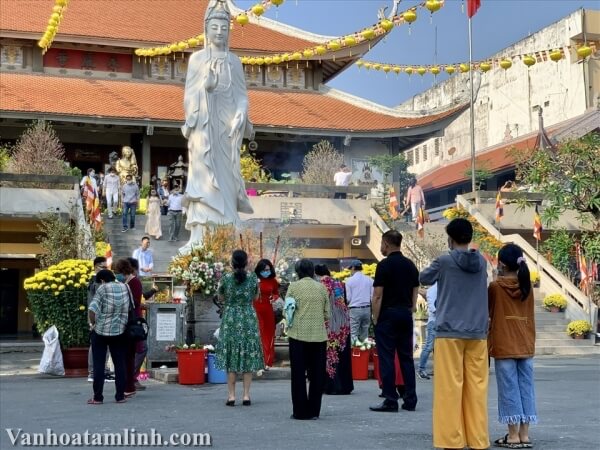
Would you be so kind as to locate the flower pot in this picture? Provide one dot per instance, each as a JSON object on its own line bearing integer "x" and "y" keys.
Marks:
{"x": 215, "y": 376}
{"x": 191, "y": 366}
{"x": 554, "y": 309}
{"x": 360, "y": 364}
{"x": 579, "y": 336}
{"x": 75, "y": 360}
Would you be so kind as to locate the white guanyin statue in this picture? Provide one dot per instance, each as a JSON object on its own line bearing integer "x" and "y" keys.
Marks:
{"x": 216, "y": 120}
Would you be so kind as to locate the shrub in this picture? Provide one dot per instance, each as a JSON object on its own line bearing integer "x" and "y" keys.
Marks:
{"x": 578, "y": 327}
{"x": 534, "y": 276}
{"x": 555, "y": 300}
{"x": 321, "y": 164}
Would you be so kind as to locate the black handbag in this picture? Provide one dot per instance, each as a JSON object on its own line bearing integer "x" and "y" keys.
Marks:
{"x": 137, "y": 327}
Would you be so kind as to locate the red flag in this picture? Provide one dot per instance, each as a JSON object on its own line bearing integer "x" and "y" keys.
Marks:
{"x": 584, "y": 273}
{"x": 537, "y": 225}
{"x": 499, "y": 207}
{"x": 393, "y": 204}
{"x": 472, "y": 7}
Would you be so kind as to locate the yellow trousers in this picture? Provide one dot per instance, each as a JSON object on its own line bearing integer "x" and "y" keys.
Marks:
{"x": 460, "y": 389}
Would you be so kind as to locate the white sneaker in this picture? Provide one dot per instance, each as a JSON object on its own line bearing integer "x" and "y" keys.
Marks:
{"x": 90, "y": 379}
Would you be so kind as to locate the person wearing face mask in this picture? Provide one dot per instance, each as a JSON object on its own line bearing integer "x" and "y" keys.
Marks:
{"x": 130, "y": 198}
{"x": 125, "y": 273}
{"x": 460, "y": 385}
{"x": 269, "y": 291}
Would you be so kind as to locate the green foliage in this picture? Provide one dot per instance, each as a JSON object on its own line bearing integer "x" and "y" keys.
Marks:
{"x": 569, "y": 176}
{"x": 74, "y": 172}
{"x": 60, "y": 239}
{"x": 387, "y": 164}
{"x": 590, "y": 242}
{"x": 481, "y": 175}
{"x": 251, "y": 167}
{"x": 321, "y": 164}
{"x": 4, "y": 156}
{"x": 558, "y": 249}
{"x": 145, "y": 191}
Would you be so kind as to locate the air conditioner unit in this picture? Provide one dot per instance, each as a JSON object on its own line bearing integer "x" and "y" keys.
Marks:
{"x": 360, "y": 227}
{"x": 356, "y": 242}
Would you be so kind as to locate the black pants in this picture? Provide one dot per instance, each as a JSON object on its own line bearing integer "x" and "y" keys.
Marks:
{"x": 339, "y": 195}
{"x": 307, "y": 358}
{"x": 117, "y": 346}
{"x": 394, "y": 333}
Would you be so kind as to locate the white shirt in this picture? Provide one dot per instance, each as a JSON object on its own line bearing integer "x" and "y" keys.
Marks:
{"x": 145, "y": 259}
{"x": 112, "y": 183}
{"x": 359, "y": 290}
{"x": 92, "y": 180}
{"x": 342, "y": 178}
{"x": 174, "y": 202}
{"x": 431, "y": 298}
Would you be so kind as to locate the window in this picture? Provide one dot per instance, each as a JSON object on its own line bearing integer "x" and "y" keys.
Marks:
{"x": 417, "y": 155}
{"x": 424, "y": 152}
{"x": 409, "y": 157}
{"x": 547, "y": 103}
{"x": 436, "y": 151}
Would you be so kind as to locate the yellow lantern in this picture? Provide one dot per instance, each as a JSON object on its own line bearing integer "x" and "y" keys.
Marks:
{"x": 433, "y": 5}
{"x": 244, "y": 59}
{"x": 435, "y": 70}
{"x": 333, "y": 45}
{"x": 409, "y": 16}
{"x": 173, "y": 48}
{"x": 276, "y": 59}
{"x": 368, "y": 34}
{"x": 296, "y": 56}
{"x": 181, "y": 46}
{"x": 397, "y": 70}
{"x": 258, "y": 10}
{"x": 42, "y": 43}
{"x": 421, "y": 71}
{"x": 52, "y": 21}
{"x": 260, "y": 61}
{"x": 200, "y": 38}
{"x": 386, "y": 25}
{"x": 386, "y": 69}
{"x": 242, "y": 19}
{"x": 308, "y": 53}
{"x": 320, "y": 50}
{"x": 277, "y": 2}
{"x": 193, "y": 42}
{"x": 61, "y": 3}
{"x": 138, "y": 52}
{"x": 268, "y": 60}
{"x": 285, "y": 57}
{"x": 485, "y": 66}
{"x": 55, "y": 16}
{"x": 51, "y": 29}
{"x": 349, "y": 41}
{"x": 409, "y": 70}
{"x": 367, "y": 66}
{"x": 376, "y": 66}
{"x": 584, "y": 51}
{"x": 359, "y": 63}
{"x": 506, "y": 64}
{"x": 556, "y": 55}
{"x": 529, "y": 60}
{"x": 464, "y": 68}
{"x": 57, "y": 9}
{"x": 252, "y": 61}
{"x": 450, "y": 69}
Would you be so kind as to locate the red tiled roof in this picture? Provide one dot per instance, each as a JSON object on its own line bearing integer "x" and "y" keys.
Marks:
{"x": 119, "y": 99}
{"x": 152, "y": 21}
{"x": 496, "y": 159}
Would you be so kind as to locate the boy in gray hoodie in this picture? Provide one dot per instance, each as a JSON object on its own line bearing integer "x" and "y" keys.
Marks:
{"x": 460, "y": 414}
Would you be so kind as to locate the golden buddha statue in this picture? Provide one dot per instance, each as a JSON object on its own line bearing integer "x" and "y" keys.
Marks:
{"x": 127, "y": 164}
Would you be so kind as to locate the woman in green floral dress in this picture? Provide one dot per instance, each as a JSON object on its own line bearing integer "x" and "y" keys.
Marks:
{"x": 238, "y": 348}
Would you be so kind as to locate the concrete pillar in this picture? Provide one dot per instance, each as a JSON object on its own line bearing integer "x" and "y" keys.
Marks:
{"x": 37, "y": 59}
{"x": 145, "y": 160}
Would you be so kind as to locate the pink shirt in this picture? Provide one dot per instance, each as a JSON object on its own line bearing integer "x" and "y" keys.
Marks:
{"x": 415, "y": 194}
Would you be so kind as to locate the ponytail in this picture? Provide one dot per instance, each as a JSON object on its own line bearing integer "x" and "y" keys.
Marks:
{"x": 239, "y": 261}
{"x": 524, "y": 278}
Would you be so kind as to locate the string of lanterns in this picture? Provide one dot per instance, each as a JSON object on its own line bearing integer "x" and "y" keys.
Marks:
{"x": 58, "y": 11}
{"x": 381, "y": 28}
{"x": 528, "y": 59}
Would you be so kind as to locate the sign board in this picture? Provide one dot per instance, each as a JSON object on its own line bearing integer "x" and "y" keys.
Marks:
{"x": 166, "y": 327}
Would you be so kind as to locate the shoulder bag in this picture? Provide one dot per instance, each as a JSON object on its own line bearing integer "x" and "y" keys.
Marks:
{"x": 137, "y": 327}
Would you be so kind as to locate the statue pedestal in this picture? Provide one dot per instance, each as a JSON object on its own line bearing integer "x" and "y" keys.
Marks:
{"x": 202, "y": 319}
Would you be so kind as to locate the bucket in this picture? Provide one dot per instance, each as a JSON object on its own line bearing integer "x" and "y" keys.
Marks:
{"x": 215, "y": 376}
{"x": 377, "y": 373}
{"x": 360, "y": 364}
{"x": 191, "y": 366}
{"x": 375, "y": 364}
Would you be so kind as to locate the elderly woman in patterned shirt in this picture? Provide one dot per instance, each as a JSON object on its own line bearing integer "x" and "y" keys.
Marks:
{"x": 308, "y": 341}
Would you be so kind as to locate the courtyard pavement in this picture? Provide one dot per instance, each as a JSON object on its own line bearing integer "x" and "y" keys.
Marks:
{"x": 568, "y": 400}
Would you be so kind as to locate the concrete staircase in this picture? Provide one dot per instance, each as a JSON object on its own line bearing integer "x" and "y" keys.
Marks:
{"x": 123, "y": 244}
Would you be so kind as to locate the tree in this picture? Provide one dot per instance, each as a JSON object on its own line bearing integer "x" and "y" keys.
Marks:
{"x": 251, "y": 168}
{"x": 387, "y": 164}
{"x": 321, "y": 164}
{"x": 481, "y": 176}
{"x": 4, "y": 156}
{"x": 60, "y": 239}
{"x": 38, "y": 151}
{"x": 568, "y": 175}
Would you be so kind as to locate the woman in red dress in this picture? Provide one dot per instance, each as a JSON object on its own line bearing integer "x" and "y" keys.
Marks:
{"x": 269, "y": 291}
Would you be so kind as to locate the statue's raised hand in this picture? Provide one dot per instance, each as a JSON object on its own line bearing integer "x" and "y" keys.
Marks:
{"x": 212, "y": 78}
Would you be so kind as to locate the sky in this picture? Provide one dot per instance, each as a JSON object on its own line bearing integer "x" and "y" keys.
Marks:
{"x": 497, "y": 24}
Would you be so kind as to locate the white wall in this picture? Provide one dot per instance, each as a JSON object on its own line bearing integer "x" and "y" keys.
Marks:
{"x": 505, "y": 100}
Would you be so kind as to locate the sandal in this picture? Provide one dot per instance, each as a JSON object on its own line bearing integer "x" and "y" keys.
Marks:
{"x": 123, "y": 400}
{"x": 503, "y": 442}
{"x": 230, "y": 403}
{"x": 526, "y": 444}
{"x": 91, "y": 401}
{"x": 129, "y": 394}
{"x": 246, "y": 402}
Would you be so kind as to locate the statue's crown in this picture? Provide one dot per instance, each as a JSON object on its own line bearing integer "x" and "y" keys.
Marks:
{"x": 217, "y": 9}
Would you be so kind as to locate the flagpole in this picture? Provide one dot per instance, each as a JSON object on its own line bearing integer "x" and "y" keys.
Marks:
{"x": 473, "y": 184}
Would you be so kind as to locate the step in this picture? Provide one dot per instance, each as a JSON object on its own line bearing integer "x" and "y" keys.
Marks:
{"x": 565, "y": 342}
{"x": 543, "y": 334}
{"x": 568, "y": 350}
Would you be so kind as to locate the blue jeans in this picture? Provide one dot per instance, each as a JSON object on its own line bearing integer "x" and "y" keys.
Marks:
{"x": 129, "y": 211}
{"x": 428, "y": 346}
{"x": 516, "y": 393}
